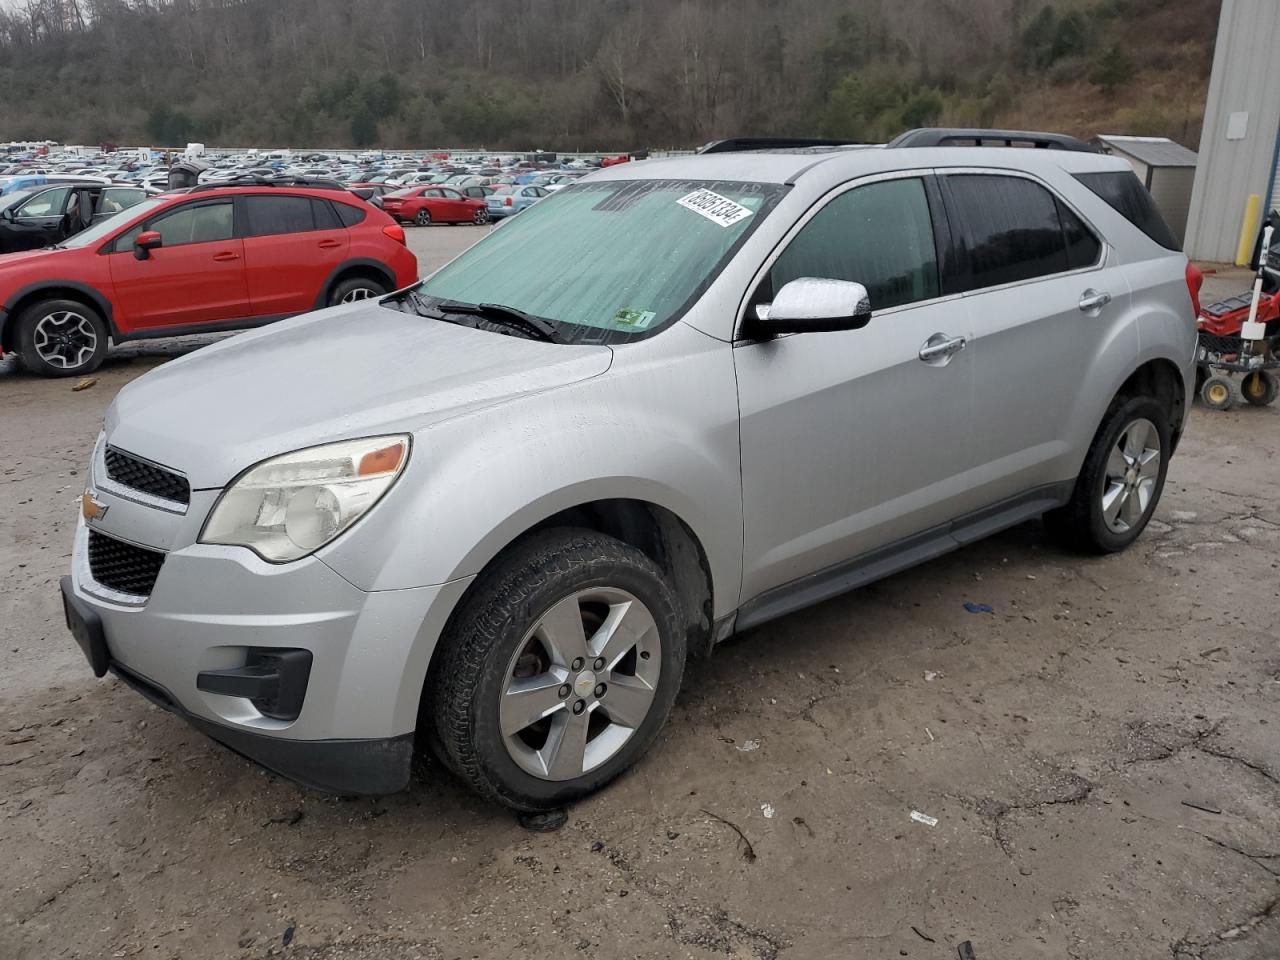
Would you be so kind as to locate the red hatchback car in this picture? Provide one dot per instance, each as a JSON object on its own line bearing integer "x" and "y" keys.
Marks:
{"x": 427, "y": 204}
{"x": 215, "y": 257}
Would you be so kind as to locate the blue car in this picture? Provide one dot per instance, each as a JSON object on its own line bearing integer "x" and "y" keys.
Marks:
{"x": 510, "y": 200}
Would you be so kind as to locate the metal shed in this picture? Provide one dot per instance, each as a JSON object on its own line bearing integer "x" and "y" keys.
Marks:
{"x": 1168, "y": 169}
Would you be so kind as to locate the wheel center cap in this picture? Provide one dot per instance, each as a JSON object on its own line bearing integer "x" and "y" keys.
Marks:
{"x": 1131, "y": 476}
{"x": 585, "y": 684}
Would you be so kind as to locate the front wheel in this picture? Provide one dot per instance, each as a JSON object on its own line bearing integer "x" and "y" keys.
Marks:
{"x": 1121, "y": 481}
{"x": 61, "y": 338}
{"x": 559, "y": 670}
{"x": 481, "y": 217}
{"x": 1216, "y": 393}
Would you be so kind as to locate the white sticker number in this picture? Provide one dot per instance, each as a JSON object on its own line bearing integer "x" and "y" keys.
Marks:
{"x": 714, "y": 207}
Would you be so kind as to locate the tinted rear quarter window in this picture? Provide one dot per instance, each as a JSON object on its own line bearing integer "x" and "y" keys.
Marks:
{"x": 1010, "y": 228}
{"x": 1124, "y": 193}
{"x": 348, "y": 214}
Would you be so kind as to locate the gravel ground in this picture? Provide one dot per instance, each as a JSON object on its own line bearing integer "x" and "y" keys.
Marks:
{"x": 1101, "y": 755}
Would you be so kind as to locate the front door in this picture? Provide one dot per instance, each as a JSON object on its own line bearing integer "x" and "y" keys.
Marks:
{"x": 195, "y": 277}
{"x": 38, "y": 222}
{"x": 850, "y": 440}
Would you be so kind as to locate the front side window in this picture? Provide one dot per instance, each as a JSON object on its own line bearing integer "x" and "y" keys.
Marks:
{"x": 879, "y": 235}
{"x": 47, "y": 204}
{"x": 610, "y": 261}
{"x": 269, "y": 215}
{"x": 1010, "y": 228}
{"x": 203, "y": 223}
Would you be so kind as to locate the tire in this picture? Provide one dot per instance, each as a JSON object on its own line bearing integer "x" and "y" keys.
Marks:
{"x": 423, "y": 217}
{"x": 511, "y": 630}
{"x": 356, "y": 288}
{"x": 481, "y": 217}
{"x": 1111, "y": 504}
{"x": 1215, "y": 392}
{"x": 62, "y": 338}
{"x": 1258, "y": 388}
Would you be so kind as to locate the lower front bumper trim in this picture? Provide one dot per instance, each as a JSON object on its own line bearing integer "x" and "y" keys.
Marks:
{"x": 363, "y": 767}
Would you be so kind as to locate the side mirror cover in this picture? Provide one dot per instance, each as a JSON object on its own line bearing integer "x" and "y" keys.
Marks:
{"x": 145, "y": 242}
{"x": 813, "y": 305}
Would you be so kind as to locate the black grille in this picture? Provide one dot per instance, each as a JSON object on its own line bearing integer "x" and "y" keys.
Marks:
{"x": 147, "y": 477}
{"x": 122, "y": 566}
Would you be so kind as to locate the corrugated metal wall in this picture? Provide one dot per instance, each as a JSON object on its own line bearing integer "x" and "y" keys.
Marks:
{"x": 1246, "y": 79}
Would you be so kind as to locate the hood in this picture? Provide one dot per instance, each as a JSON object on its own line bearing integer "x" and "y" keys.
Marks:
{"x": 351, "y": 371}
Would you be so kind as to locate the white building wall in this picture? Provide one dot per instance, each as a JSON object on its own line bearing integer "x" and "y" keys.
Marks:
{"x": 1244, "y": 92}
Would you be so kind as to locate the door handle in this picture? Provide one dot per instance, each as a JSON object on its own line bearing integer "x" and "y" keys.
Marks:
{"x": 941, "y": 347}
{"x": 328, "y": 244}
{"x": 1092, "y": 300}
{"x": 225, "y": 256}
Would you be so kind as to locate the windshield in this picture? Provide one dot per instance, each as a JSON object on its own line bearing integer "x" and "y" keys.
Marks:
{"x": 606, "y": 262}
{"x": 90, "y": 236}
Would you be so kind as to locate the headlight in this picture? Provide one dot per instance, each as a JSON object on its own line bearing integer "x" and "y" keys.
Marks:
{"x": 290, "y": 506}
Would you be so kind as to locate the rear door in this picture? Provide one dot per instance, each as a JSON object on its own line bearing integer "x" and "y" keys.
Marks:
{"x": 1044, "y": 303}
{"x": 851, "y": 441}
{"x": 195, "y": 277}
{"x": 292, "y": 245}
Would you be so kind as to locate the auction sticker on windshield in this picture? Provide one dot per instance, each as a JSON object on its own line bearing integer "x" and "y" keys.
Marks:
{"x": 714, "y": 207}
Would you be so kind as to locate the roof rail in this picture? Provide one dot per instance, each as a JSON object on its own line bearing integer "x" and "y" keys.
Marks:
{"x": 742, "y": 144}
{"x": 251, "y": 180}
{"x": 966, "y": 137}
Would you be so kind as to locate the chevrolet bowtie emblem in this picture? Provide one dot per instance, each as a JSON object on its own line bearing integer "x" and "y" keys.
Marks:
{"x": 91, "y": 507}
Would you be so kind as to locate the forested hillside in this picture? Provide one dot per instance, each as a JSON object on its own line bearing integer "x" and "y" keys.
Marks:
{"x": 593, "y": 74}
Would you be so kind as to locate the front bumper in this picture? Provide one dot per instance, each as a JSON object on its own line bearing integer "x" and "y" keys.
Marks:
{"x": 212, "y": 606}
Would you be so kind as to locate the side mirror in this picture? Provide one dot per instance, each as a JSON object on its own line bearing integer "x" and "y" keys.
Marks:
{"x": 811, "y": 305}
{"x": 145, "y": 242}
{"x": 7, "y": 214}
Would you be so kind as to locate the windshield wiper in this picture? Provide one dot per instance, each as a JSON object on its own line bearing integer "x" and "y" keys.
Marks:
{"x": 541, "y": 328}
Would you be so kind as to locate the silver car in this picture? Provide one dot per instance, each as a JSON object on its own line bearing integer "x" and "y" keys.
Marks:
{"x": 497, "y": 511}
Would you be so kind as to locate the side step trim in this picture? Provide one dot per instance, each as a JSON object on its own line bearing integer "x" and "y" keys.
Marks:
{"x": 900, "y": 555}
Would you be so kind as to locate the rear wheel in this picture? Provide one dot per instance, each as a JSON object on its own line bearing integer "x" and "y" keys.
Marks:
{"x": 423, "y": 217}
{"x": 481, "y": 217}
{"x": 61, "y": 338}
{"x": 559, "y": 670}
{"x": 1121, "y": 481}
{"x": 1258, "y": 388}
{"x": 355, "y": 288}
{"x": 1216, "y": 393}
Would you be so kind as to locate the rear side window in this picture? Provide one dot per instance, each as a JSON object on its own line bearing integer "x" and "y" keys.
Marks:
{"x": 1083, "y": 248}
{"x": 272, "y": 215}
{"x": 1010, "y": 229}
{"x": 879, "y": 235}
{"x": 348, "y": 214}
{"x": 1124, "y": 192}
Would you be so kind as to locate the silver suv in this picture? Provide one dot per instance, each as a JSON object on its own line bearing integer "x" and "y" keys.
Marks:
{"x": 496, "y": 511}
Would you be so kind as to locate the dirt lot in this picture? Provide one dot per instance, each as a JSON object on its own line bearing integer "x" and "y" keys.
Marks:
{"x": 1058, "y": 741}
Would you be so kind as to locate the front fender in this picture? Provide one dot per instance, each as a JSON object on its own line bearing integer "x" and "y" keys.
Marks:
{"x": 661, "y": 426}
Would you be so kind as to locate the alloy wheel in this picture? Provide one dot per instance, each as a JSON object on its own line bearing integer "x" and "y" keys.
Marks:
{"x": 65, "y": 339}
{"x": 1131, "y": 475}
{"x": 359, "y": 293}
{"x": 580, "y": 683}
